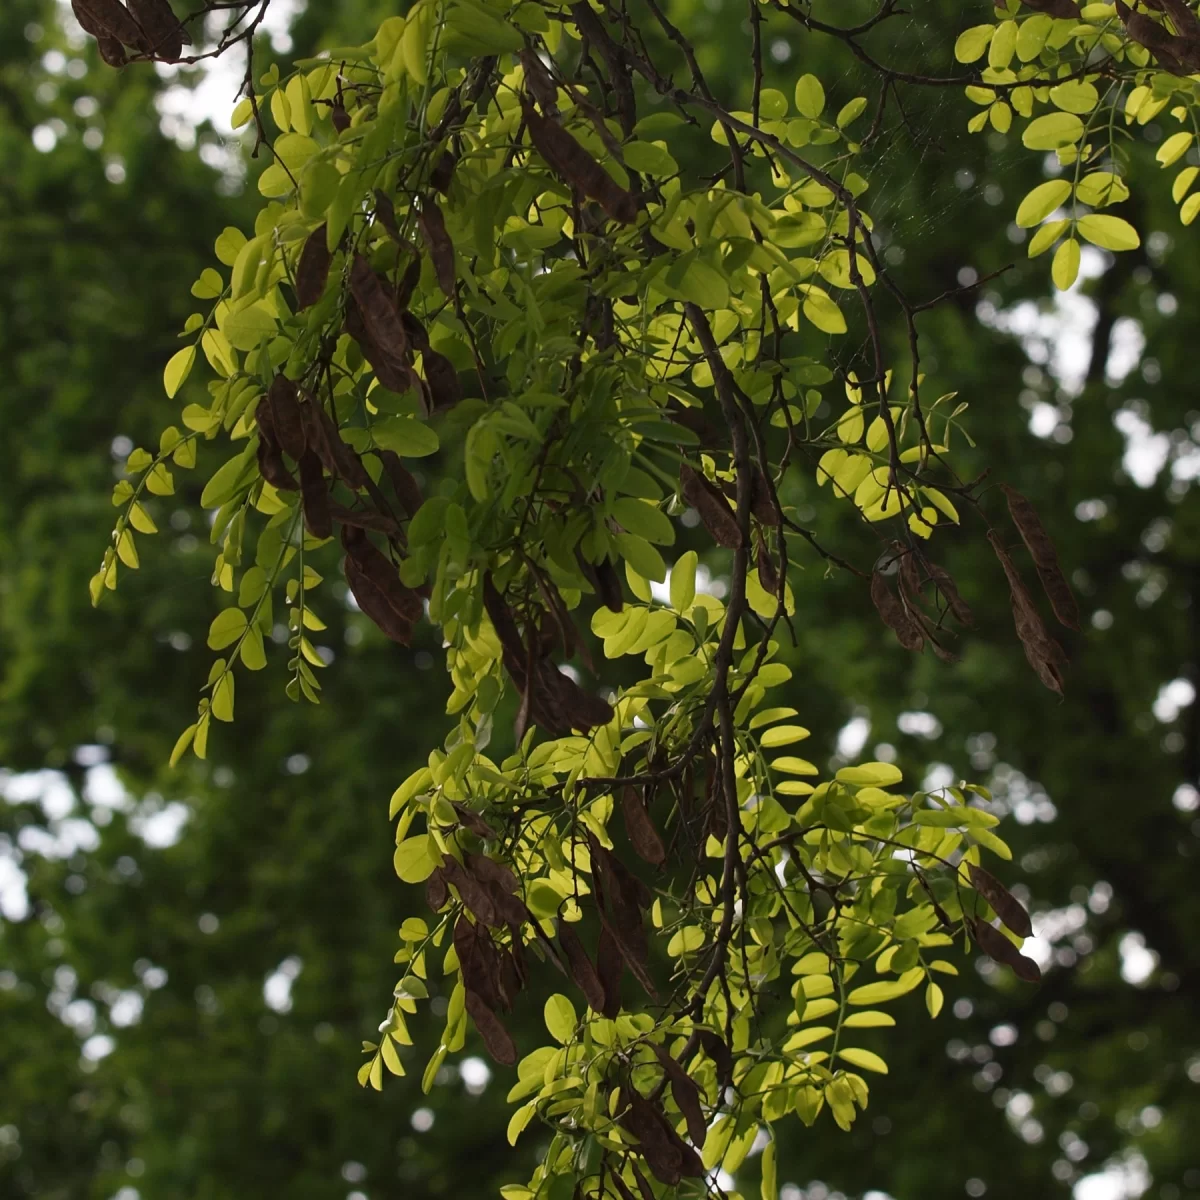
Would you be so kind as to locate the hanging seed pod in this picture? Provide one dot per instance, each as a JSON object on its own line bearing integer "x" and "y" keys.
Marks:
{"x": 378, "y": 309}
{"x": 576, "y": 167}
{"x": 1045, "y": 557}
{"x": 286, "y": 418}
{"x": 1005, "y": 905}
{"x": 895, "y": 616}
{"x": 1045, "y": 655}
{"x": 443, "y": 172}
{"x": 442, "y": 378}
{"x": 643, "y": 836}
{"x": 584, "y": 975}
{"x": 111, "y": 19}
{"x": 714, "y": 510}
{"x": 390, "y": 369}
{"x": 312, "y": 271}
{"x": 164, "y": 34}
{"x": 314, "y": 497}
{"x": 686, "y": 1093}
{"x": 999, "y": 949}
{"x": 407, "y": 490}
{"x": 438, "y": 244}
{"x": 496, "y": 1038}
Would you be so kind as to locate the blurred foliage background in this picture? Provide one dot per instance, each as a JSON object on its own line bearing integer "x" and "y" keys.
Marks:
{"x": 189, "y": 960}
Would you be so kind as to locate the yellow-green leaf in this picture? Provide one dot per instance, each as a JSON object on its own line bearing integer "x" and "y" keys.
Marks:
{"x": 1109, "y": 232}
{"x": 864, "y": 1059}
{"x": 1042, "y": 201}
{"x": 178, "y": 369}
{"x": 1052, "y": 131}
{"x": 561, "y": 1019}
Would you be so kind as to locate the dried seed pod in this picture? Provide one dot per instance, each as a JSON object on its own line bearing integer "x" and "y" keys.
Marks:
{"x": 714, "y": 1046}
{"x": 312, "y": 271}
{"x": 643, "y": 1184}
{"x": 582, "y": 709}
{"x": 376, "y": 566}
{"x": 575, "y": 166}
{"x": 418, "y": 337}
{"x": 438, "y": 244}
{"x": 109, "y": 18}
{"x": 286, "y": 418}
{"x": 622, "y": 1187}
{"x": 710, "y": 503}
{"x": 762, "y": 498}
{"x": 584, "y": 975}
{"x": 385, "y": 214}
{"x": 470, "y": 819}
{"x": 111, "y": 50}
{"x": 1045, "y": 655}
{"x": 410, "y": 278}
{"x": 1045, "y": 557}
{"x": 390, "y": 369}
{"x": 443, "y": 172}
{"x": 407, "y": 490}
{"x": 314, "y": 497}
{"x": 367, "y": 520}
{"x": 339, "y": 117}
{"x": 322, "y": 437}
{"x": 999, "y": 949}
{"x": 894, "y": 614}
{"x": 164, "y": 34}
{"x": 643, "y": 836}
{"x": 768, "y": 576}
{"x": 442, "y": 377}
{"x": 436, "y": 892}
{"x": 686, "y": 1093}
{"x": 946, "y": 585}
{"x": 538, "y": 81}
{"x": 272, "y": 467}
{"x": 1005, "y": 905}
{"x": 603, "y": 577}
{"x": 610, "y": 964}
{"x": 495, "y": 1037}
{"x": 378, "y": 309}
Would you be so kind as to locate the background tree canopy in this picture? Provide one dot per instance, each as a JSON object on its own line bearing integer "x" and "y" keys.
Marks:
{"x": 191, "y": 958}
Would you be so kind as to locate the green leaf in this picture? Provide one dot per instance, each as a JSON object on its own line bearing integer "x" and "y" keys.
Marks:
{"x": 1042, "y": 201}
{"x": 683, "y": 581}
{"x": 822, "y": 312}
{"x": 885, "y": 990}
{"x": 414, "y": 859}
{"x": 209, "y": 286}
{"x": 810, "y": 97}
{"x": 181, "y": 746}
{"x": 644, "y": 519}
{"x": 1109, "y": 232}
{"x": 649, "y": 159}
{"x": 561, "y": 1020}
{"x": 646, "y": 561}
{"x": 178, "y": 369}
{"x": 769, "y": 1191}
{"x": 1052, "y": 131}
{"x": 873, "y": 774}
{"x": 229, "y": 245}
{"x": 407, "y": 436}
{"x": 864, "y": 1059}
{"x": 972, "y": 43}
{"x": 226, "y": 628}
{"x": 1065, "y": 268}
{"x": 222, "y": 697}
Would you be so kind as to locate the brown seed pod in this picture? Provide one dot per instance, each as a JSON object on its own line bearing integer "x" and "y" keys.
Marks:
{"x": 686, "y": 1093}
{"x": 710, "y": 503}
{"x": 385, "y": 214}
{"x": 339, "y": 117}
{"x": 109, "y": 18}
{"x": 378, "y": 309}
{"x": 390, "y": 369}
{"x": 999, "y": 949}
{"x": 312, "y": 271}
{"x": 643, "y": 836}
{"x": 376, "y": 567}
{"x": 323, "y": 438}
{"x": 1045, "y": 557}
{"x": 438, "y": 244}
{"x": 1045, "y": 655}
{"x": 949, "y": 590}
{"x": 286, "y": 418}
{"x": 496, "y": 1038}
{"x": 576, "y": 167}
{"x": 314, "y": 497}
{"x": 111, "y": 50}
{"x": 164, "y": 34}
{"x": 470, "y": 819}
{"x": 1005, "y": 905}
{"x": 584, "y": 975}
{"x": 895, "y": 615}
{"x": 768, "y": 576}
{"x": 407, "y": 490}
{"x": 436, "y": 892}
{"x": 442, "y": 377}
{"x": 443, "y": 172}
{"x": 610, "y": 963}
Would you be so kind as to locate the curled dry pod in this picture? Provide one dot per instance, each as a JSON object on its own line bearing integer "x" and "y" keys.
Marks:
{"x": 436, "y": 892}
{"x": 622, "y": 1187}
{"x": 584, "y": 975}
{"x": 272, "y": 467}
{"x": 610, "y": 963}
{"x": 643, "y": 1184}
{"x": 495, "y": 1037}
{"x": 714, "y": 1046}
{"x": 1045, "y": 655}
{"x": 323, "y": 437}
{"x": 314, "y": 497}
{"x": 109, "y": 18}
{"x": 390, "y": 369}
{"x": 339, "y": 117}
{"x": 312, "y": 271}
{"x": 686, "y": 1093}
{"x": 762, "y": 498}
{"x": 1005, "y": 905}
{"x": 768, "y": 575}
{"x": 111, "y": 50}
{"x": 538, "y": 81}
{"x": 286, "y": 418}
{"x": 366, "y": 519}
{"x": 998, "y": 948}
{"x": 712, "y": 506}
{"x": 407, "y": 490}
{"x": 479, "y": 900}
{"x": 1045, "y": 557}
{"x": 410, "y": 278}
{"x": 438, "y": 244}
{"x": 417, "y": 335}
{"x": 468, "y": 818}
{"x": 378, "y": 309}
{"x": 165, "y": 36}
{"x": 502, "y": 621}
{"x": 378, "y": 568}
{"x": 604, "y": 579}
{"x": 440, "y": 373}
{"x": 583, "y": 710}
{"x": 385, "y": 214}
{"x": 443, "y": 172}
{"x": 377, "y": 602}
{"x": 894, "y": 615}
{"x": 643, "y": 836}
{"x": 575, "y": 166}
{"x": 949, "y": 590}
